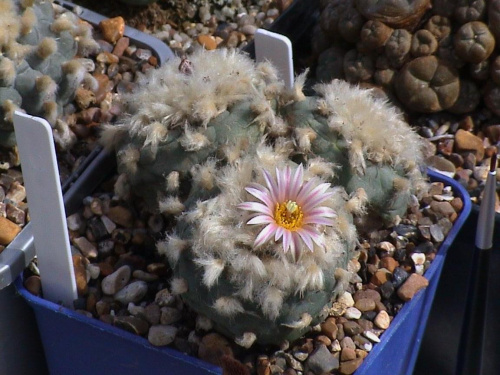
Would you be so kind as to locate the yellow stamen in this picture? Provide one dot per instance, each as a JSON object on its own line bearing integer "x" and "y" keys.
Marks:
{"x": 288, "y": 215}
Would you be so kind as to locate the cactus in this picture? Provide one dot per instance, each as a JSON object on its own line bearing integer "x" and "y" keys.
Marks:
{"x": 39, "y": 72}
{"x": 263, "y": 184}
{"x": 253, "y": 288}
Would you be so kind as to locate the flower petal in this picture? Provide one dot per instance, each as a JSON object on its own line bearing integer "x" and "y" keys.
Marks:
{"x": 315, "y": 236}
{"x": 306, "y": 238}
{"x": 280, "y": 179}
{"x": 317, "y": 196}
{"x": 296, "y": 182}
{"x": 279, "y": 233}
{"x": 295, "y": 247}
{"x": 318, "y": 220}
{"x": 304, "y": 192}
{"x": 265, "y": 234}
{"x": 262, "y": 195}
{"x": 261, "y": 219}
{"x": 287, "y": 239}
{"x": 255, "y": 206}
{"x": 271, "y": 184}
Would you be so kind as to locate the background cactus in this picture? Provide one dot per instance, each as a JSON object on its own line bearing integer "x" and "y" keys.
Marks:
{"x": 197, "y": 133}
{"x": 39, "y": 70}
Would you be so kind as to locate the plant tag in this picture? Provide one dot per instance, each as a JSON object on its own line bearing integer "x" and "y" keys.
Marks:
{"x": 277, "y": 49}
{"x": 46, "y": 207}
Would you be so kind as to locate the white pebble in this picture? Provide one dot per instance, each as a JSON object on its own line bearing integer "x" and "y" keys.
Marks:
{"x": 352, "y": 313}
{"x": 371, "y": 336}
{"x": 161, "y": 335}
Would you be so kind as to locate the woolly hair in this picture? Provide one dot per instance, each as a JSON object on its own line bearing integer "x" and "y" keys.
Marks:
{"x": 178, "y": 286}
{"x": 264, "y": 275}
{"x": 7, "y": 72}
{"x": 218, "y": 80}
{"x": 28, "y": 21}
{"x": 373, "y": 127}
{"x": 46, "y": 47}
{"x": 10, "y": 24}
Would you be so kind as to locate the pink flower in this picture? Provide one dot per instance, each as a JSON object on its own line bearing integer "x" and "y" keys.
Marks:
{"x": 290, "y": 209}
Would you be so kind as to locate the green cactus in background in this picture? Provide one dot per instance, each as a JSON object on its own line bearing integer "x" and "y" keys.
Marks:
{"x": 264, "y": 184}
{"x": 39, "y": 72}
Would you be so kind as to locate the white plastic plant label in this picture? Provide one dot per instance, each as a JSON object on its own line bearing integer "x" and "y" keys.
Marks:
{"x": 46, "y": 207}
{"x": 277, "y": 49}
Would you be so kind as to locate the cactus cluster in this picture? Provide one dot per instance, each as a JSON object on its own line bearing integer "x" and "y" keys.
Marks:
{"x": 39, "y": 69}
{"x": 211, "y": 139}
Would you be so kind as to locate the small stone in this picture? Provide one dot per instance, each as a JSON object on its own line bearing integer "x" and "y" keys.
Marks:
{"x": 418, "y": 258}
{"x": 16, "y": 192}
{"x": 300, "y": 356}
{"x": 336, "y": 346}
{"x": 380, "y": 277}
{"x": 365, "y": 304}
{"x": 371, "y": 336}
{"x": 399, "y": 276}
{"x": 33, "y": 284}
{"x": 152, "y": 313}
{"x": 132, "y": 324}
{"x": 387, "y": 289}
{"x": 389, "y": 263}
{"x": 368, "y": 293}
{"x": 86, "y": 247}
{"x": 347, "y": 342}
{"x": 362, "y": 343}
{"x": 170, "y": 315}
{"x": 121, "y": 216}
{"x": 15, "y": 214}
{"x": 382, "y": 320}
{"x": 329, "y": 328}
{"x": 321, "y": 361}
{"x": 466, "y": 141}
{"x": 8, "y": 231}
{"x": 347, "y": 354}
{"x": 348, "y": 367}
{"x": 161, "y": 335}
{"x": 132, "y": 292}
{"x": 207, "y": 41}
{"x": 212, "y": 347}
{"x": 441, "y": 164}
{"x": 74, "y": 222}
{"x": 108, "y": 224}
{"x": 411, "y": 286}
{"x": 352, "y": 313}
{"x": 121, "y": 45}
{"x": 444, "y": 209}
{"x": 144, "y": 276}
{"x": 248, "y": 29}
{"x": 164, "y": 298}
{"x": 263, "y": 365}
{"x": 114, "y": 282}
{"x": 84, "y": 98}
{"x": 352, "y": 328}
{"x": 94, "y": 271}
{"x": 346, "y": 299}
{"x": 80, "y": 274}
{"x": 112, "y": 29}
{"x": 159, "y": 269}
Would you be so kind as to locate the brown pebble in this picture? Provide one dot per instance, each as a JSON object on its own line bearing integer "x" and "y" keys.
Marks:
{"x": 347, "y": 354}
{"x": 365, "y": 304}
{"x": 382, "y": 320}
{"x": 120, "y": 46}
{"x": 411, "y": 286}
{"x": 368, "y": 293}
{"x": 457, "y": 204}
{"x": 121, "y": 216}
{"x": 8, "y": 231}
{"x": 263, "y": 365}
{"x": 207, "y": 41}
{"x": 380, "y": 277}
{"x": 466, "y": 141}
{"x": 348, "y": 367}
{"x": 323, "y": 339}
{"x": 329, "y": 328}
{"x": 80, "y": 274}
{"x": 84, "y": 98}
{"x": 212, "y": 347}
{"x": 33, "y": 284}
{"x": 444, "y": 209}
{"x": 112, "y": 29}
{"x": 389, "y": 263}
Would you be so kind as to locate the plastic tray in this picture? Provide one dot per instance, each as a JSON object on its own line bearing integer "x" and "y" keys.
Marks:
{"x": 71, "y": 339}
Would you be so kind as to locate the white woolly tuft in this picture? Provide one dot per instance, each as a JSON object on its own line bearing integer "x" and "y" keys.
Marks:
{"x": 178, "y": 286}
{"x": 228, "y": 306}
{"x": 192, "y": 140}
{"x": 46, "y": 47}
{"x": 304, "y": 138}
{"x": 7, "y": 72}
{"x": 171, "y": 205}
{"x": 129, "y": 157}
{"x": 322, "y": 168}
{"x": 271, "y": 300}
{"x": 28, "y": 21}
{"x": 172, "y": 247}
{"x": 111, "y": 135}
{"x": 122, "y": 187}
{"x": 212, "y": 269}
{"x": 357, "y": 203}
{"x": 172, "y": 181}
{"x": 246, "y": 340}
{"x": 156, "y": 133}
{"x": 63, "y": 136}
{"x": 203, "y": 323}
{"x": 204, "y": 175}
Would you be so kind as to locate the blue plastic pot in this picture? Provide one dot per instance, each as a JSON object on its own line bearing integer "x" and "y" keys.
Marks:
{"x": 75, "y": 344}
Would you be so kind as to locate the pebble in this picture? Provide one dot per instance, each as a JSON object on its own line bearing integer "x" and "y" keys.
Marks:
{"x": 152, "y": 313}
{"x": 132, "y": 324}
{"x": 365, "y": 304}
{"x": 466, "y": 141}
{"x": 352, "y": 328}
{"x": 371, "y": 336}
{"x": 114, "y": 282}
{"x": 353, "y": 313}
{"x": 348, "y": 367}
{"x": 160, "y": 335}
{"x": 347, "y": 354}
{"x": 86, "y": 247}
{"x": 132, "y": 292}
{"x": 329, "y": 328}
{"x": 33, "y": 284}
{"x": 112, "y": 29}
{"x": 321, "y": 361}
{"x": 80, "y": 274}
{"x": 121, "y": 216}
{"x": 207, "y": 41}
{"x": 164, "y": 298}
{"x": 382, "y": 320}
{"x": 170, "y": 315}
{"x": 8, "y": 231}
{"x": 411, "y": 286}
{"x": 16, "y": 192}
{"x": 346, "y": 299}
{"x": 212, "y": 347}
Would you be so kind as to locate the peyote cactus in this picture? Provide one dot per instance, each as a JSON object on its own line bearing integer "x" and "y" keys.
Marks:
{"x": 264, "y": 184}
{"x": 39, "y": 71}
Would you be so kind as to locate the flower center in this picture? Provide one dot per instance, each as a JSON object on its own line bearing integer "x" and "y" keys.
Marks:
{"x": 288, "y": 215}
